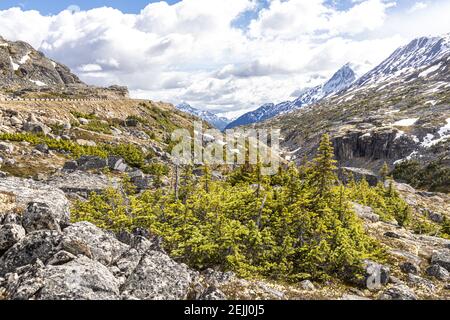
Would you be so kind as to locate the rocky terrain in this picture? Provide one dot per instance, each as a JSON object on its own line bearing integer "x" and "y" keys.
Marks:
{"x": 27, "y": 73}
{"x": 56, "y": 153}
{"x": 44, "y": 256}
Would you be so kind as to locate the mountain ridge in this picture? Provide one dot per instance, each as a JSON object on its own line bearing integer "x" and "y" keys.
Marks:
{"x": 214, "y": 120}
{"x": 340, "y": 80}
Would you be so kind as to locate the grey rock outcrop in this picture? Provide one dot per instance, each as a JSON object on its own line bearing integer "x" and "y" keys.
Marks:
{"x": 100, "y": 245}
{"x": 376, "y": 275}
{"x": 442, "y": 258}
{"x": 36, "y": 245}
{"x": 158, "y": 277}
{"x": 365, "y": 213}
{"x": 10, "y": 234}
{"x": 26, "y": 191}
{"x": 398, "y": 292}
{"x": 80, "y": 279}
{"x": 358, "y": 174}
{"x": 82, "y": 183}
{"x": 438, "y": 272}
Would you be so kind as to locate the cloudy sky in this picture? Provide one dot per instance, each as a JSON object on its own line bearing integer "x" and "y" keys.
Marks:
{"x": 227, "y": 56}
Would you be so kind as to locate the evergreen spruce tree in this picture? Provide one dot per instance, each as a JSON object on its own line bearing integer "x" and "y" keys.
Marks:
{"x": 384, "y": 172}
{"x": 323, "y": 176}
{"x": 206, "y": 177}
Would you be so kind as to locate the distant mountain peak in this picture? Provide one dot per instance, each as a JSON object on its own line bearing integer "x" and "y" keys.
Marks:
{"x": 341, "y": 80}
{"x": 417, "y": 53}
{"x": 216, "y": 121}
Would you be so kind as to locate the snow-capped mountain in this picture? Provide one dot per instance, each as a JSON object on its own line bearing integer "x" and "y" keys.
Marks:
{"x": 405, "y": 60}
{"x": 341, "y": 80}
{"x": 218, "y": 122}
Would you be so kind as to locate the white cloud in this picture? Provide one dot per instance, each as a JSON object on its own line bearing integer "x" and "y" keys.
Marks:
{"x": 417, "y": 6}
{"x": 191, "y": 51}
{"x": 293, "y": 18}
{"x": 90, "y": 68}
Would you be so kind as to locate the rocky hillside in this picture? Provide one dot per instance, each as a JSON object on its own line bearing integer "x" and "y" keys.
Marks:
{"x": 26, "y": 72}
{"x": 43, "y": 135}
{"x": 341, "y": 80}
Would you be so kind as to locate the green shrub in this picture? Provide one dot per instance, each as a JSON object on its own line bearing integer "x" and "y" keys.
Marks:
{"x": 98, "y": 126}
{"x": 300, "y": 229}
{"x": 88, "y": 116}
{"x": 434, "y": 176}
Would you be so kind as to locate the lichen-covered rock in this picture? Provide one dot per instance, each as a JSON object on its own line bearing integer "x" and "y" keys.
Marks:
{"x": 39, "y": 216}
{"x": 307, "y": 285}
{"x": 365, "y": 213}
{"x": 11, "y": 218}
{"x": 409, "y": 267}
{"x": 398, "y": 292}
{"x": 158, "y": 277}
{"x": 80, "y": 279}
{"x": 10, "y": 234}
{"x": 212, "y": 293}
{"x": 91, "y": 163}
{"x": 85, "y": 238}
{"x": 40, "y": 245}
{"x": 438, "y": 272}
{"x": 376, "y": 275}
{"x": 26, "y": 191}
{"x": 442, "y": 258}
{"x": 36, "y": 127}
{"x": 82, "y": 183}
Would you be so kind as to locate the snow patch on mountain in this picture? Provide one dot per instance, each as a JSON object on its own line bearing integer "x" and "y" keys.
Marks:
{"x": 405, "y": 60}
{"x": 406, "y": 122}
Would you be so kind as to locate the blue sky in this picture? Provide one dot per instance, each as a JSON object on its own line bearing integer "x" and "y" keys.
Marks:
{"x": 225, "y": 56}
{"x": 52, "y": 6}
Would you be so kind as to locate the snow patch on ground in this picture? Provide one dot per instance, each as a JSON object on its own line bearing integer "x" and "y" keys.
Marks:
{"x": 444, "y": 134}
{"x": 393, "y": 111}
{"x": 295, "y": 151}
{"x": 14, "y": 65}
{"x": 38, "y": 83}
{"x": 429, "y": 70}
{"x": 432, "y": 102}
{"x": 25, "y": 58}
{"x": 349, "y": 98}
{"x": 406, "y": 122}
{"x": 408, "y": 158}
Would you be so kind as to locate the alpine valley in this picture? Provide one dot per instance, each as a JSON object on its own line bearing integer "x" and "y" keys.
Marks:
{"x": 94, "y": 207}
